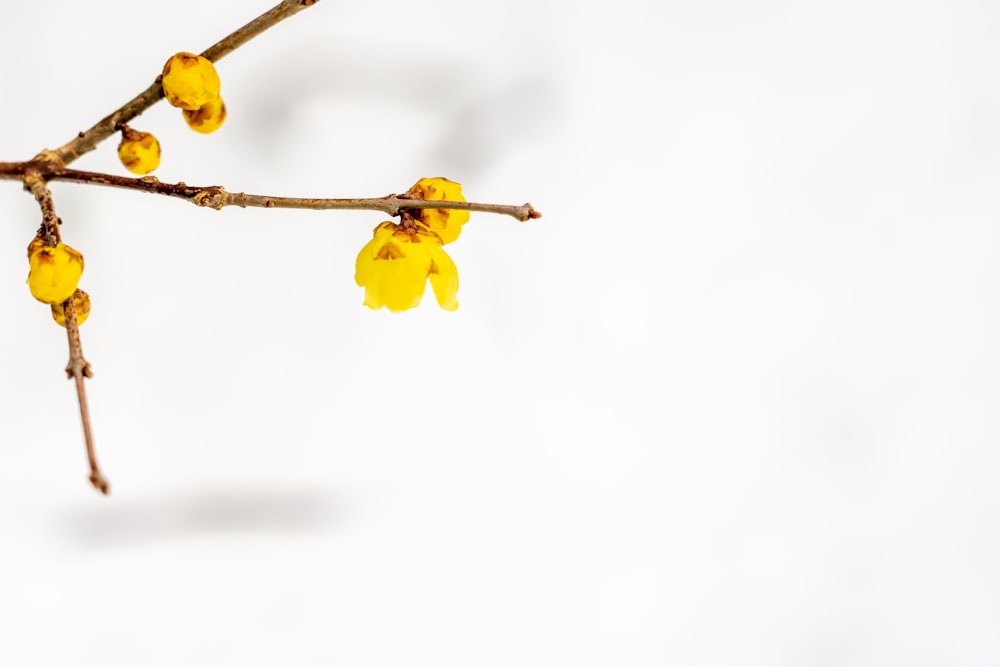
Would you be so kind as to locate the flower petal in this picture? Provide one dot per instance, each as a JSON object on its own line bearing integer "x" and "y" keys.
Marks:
{"x": 444, "y": 279}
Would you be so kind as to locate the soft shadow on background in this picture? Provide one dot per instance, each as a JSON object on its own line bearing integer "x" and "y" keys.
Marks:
{"x": 200, "y": 512}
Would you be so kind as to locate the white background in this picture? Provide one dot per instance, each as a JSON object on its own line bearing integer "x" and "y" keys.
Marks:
{"x": 732, "y": 401}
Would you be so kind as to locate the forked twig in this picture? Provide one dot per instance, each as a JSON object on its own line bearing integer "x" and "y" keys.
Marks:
{"x": 37, "y": 172}
{"x": 51, "y": 165}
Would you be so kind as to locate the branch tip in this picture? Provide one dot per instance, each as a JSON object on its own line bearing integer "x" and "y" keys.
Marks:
{"x": 100, "y": 483}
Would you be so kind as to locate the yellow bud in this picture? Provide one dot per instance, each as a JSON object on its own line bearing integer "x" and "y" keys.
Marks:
{"x": 54, "y": 272}
{"x": 81, "y": 304}
{"x": 445, "y": 223}
{"x": 190, "y": 81}
{"x": 208, "y": 118}
{"x": 139, "y": 151}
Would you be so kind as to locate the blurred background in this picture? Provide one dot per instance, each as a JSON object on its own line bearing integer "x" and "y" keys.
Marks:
{"x": 731, "y": 401}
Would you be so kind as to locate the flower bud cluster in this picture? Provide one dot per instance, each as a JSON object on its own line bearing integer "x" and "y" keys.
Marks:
{"x": 191, "y": 84}
{"x": 53, "y": 274}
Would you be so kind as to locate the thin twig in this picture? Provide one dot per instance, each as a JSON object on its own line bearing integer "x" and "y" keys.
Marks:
{"x": 49, "y": 230}
{"x": 271, "y": 17}
{"x": 86, "y": 141}
{"x": 390, "y": 204}
{"x": 215, "y": 196}
{"x": 78, "y": 368}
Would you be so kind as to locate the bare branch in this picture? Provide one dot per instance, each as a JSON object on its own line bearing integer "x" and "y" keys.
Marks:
{"x": 86, "y": 141}
{"x": 268, "y": 19}
{"x": 215, "y": 196}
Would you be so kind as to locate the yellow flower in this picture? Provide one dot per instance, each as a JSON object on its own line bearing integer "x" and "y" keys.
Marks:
{"x": 54, "y": 272}
{"x": 395, "y": 265}
{"x": 139, "y": 151}
{"x": 207, "y": 118}
{"x": 190, "y": 81}
{"x": 81, "y": 305}
{"x": 445, "y": 223}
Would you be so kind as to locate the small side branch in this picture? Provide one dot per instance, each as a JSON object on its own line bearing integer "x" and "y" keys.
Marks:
{"x": 86, "y": 141}
{"x": 78, "y": 368}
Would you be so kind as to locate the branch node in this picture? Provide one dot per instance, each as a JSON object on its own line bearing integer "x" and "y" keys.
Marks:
{"x": 78, "y": 365}
{"x": 393, "y": 206}
{"x": 50, "y": 159}
{"x": 212, "y": 197}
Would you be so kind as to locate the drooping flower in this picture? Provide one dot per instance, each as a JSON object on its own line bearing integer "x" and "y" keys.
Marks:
{"x": 396, "y": 264}
{"x": 445, "y": 223}
{"x": 54, "y": 271}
